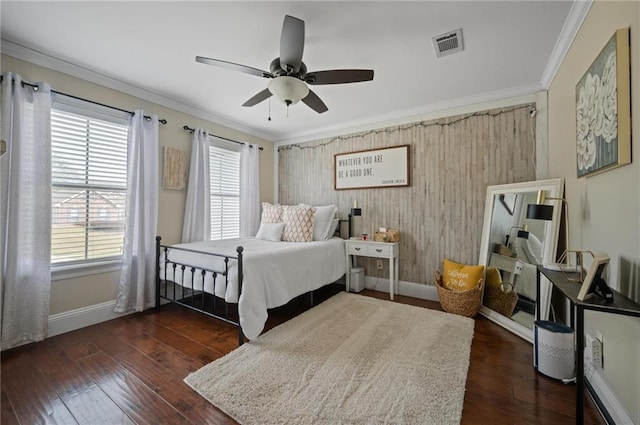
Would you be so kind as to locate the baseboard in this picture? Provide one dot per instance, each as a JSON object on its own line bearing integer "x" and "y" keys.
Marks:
{"x": 606, "y": 400}
{"x": 82, "y": 317}
{"x": 86, "y": 316}
{"x": 409, "y": 289}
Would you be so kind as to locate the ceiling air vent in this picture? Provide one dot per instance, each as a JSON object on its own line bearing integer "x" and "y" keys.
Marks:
{"x": 448, "y": 43}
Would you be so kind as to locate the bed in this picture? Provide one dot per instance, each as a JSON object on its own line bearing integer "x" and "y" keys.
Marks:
{"x": 250, "y": 274}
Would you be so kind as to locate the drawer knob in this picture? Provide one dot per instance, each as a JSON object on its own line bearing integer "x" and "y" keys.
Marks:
{"x": 357, "y": 249}
{"x": 378, "y": 250}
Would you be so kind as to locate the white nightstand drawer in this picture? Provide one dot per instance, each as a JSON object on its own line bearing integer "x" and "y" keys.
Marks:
{"x": 357, "y": 248}
{"x": 379, "y": 250}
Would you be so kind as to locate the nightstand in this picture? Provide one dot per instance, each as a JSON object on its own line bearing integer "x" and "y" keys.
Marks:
{"x": 388, "y": 250}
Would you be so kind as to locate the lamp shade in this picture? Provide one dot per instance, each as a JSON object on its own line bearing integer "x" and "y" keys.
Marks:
{"x": 290, "y": 90}
{"x": 540, "y": 211}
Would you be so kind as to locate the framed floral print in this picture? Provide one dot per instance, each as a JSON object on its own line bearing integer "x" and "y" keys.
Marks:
{"x": 603, "y": 109}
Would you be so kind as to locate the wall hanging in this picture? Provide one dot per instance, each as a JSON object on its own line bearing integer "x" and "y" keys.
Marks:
{"x": 173, "y": 175}
{"x": 603, "y": 109}
{"x": 385, "y": 167}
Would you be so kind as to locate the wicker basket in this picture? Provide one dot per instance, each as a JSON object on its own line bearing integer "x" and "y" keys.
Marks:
{"x": 499, "y": 301}
{"x": 465, "y": 303}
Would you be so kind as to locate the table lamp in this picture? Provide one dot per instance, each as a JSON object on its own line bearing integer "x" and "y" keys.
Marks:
{"x": 542, "y": 211}
{"x": 355, "y": 212}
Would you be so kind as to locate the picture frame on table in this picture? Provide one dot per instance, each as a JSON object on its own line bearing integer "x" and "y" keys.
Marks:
{"x": 593, "y": 277}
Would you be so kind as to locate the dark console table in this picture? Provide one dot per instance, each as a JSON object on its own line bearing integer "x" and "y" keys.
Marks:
{"x": 620, "y": 305}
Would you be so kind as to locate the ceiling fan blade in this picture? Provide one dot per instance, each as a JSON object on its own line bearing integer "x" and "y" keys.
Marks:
{"x": 339, "y": 76}
{"x": 314, "y": 102}
{"x": 291, "y": 44}
{"x": 263, "y": 95}
{"x": 234, "y": 66}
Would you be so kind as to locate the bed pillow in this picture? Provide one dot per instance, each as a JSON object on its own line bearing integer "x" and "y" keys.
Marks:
{"x": 270, "y": 232}
{"x": 271, "y": 213}
{"x": 333, "y": 228}
{"x": 322, "y": 221}
{"x": 492, "y": 277}
{"x": 298, "y": 223}
{"x": 460, "y": 277}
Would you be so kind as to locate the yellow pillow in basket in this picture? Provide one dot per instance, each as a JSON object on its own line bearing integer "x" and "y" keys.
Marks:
{"x": 458, "y": 277}
{"x": 492, "y": 277}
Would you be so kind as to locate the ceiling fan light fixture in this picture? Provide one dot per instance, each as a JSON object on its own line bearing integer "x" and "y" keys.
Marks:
{"x": 290, "y": 90}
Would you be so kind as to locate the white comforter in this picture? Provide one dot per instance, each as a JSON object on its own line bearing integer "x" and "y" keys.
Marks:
{"x": 273, "y": 272}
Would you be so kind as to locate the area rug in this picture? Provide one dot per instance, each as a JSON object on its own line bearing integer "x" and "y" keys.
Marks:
{"x": 350, "y": 360}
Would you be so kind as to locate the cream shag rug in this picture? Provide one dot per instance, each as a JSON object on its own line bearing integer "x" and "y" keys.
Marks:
{"x": 350, "y": 360}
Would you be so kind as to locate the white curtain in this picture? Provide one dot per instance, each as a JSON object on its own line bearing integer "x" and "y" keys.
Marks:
{"x": 25, "y": 212}
{"x": 197, "y": 211}
{"x": 136, "y": 290}
{"x": 249, "y": 190}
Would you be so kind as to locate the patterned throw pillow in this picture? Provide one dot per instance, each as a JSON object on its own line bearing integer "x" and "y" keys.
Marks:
{"x": 298, "y": 223}
{"x": 459, "y": 277}
{"x": 271, "y": 213}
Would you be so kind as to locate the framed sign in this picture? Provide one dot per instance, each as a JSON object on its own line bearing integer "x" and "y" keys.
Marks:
{"x": 384, "y": 167}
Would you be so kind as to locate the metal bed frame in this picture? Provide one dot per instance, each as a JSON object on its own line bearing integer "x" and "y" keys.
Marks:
{"x": 189, "y": 301}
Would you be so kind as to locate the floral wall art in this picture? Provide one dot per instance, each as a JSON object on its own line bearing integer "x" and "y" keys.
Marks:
{"x": 603, "y": 109}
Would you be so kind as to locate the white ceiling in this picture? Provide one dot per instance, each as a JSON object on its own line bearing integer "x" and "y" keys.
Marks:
{"x": 152, "y": 46}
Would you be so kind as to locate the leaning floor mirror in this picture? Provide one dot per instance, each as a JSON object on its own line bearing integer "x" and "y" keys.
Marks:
{"x": 511, "y": 247}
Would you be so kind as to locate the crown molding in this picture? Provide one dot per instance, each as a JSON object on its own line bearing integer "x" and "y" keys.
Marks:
{"x": 496, "y": 99}
{"x": 572, "y": 24}
{"x": 27, "y": 54}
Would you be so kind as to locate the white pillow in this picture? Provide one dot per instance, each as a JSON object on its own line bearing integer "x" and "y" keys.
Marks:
{"x": 333, "y": 228}
{"x": 270, "y": 232}
{"x": 323, "y": 221}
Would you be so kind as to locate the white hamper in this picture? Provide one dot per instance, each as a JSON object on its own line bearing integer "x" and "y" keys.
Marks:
{"x": 554, "y": 350}
{"x": 357, "y": 279}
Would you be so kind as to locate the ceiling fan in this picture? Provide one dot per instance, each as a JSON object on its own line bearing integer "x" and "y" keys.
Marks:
{"x": 288, "y": 74}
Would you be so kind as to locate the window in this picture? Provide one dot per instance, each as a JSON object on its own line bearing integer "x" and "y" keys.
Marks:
{"x": 88, "y": 177}
{"x": 224, "y": 183}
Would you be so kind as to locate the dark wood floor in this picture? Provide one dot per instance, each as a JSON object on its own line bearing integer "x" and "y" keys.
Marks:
{"x": 130, "y": 371}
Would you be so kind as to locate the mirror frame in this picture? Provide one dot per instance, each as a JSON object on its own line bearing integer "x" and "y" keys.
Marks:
{"x": 554, "y": 188}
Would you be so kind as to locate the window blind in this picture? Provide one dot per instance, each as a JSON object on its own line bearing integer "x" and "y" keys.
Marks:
{"x": 89, "y": 175}
{"x": 225, "y": 192}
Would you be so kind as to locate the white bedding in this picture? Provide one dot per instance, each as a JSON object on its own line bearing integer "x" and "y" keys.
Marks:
{"x": 273, "y": 272}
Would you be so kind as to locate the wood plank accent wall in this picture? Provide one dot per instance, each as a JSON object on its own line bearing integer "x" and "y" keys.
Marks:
{"x": 452, "y": 161}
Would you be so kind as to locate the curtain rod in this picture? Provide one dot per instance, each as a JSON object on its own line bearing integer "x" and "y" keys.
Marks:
{"x": 24, "y": 83}
{"x": 191, "y": 130}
